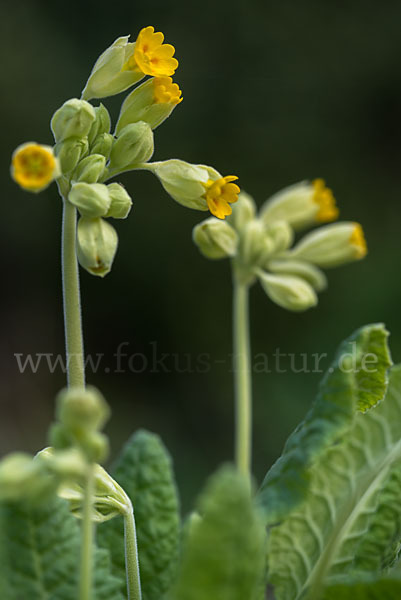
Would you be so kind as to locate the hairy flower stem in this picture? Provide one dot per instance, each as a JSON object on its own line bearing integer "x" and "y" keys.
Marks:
{"x": 242, "y": 378}
{"x": 76, "y": 377}
{"x": 72, "y": 301}
{"x": 131, "y": 557}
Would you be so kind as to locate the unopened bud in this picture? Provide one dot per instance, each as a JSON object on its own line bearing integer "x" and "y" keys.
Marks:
{"x": 103, "y": 145}
{"x": 70, "y": 152}
{"x": 255, "y": 245}
{"x": 82, "y": 409}
{"x": 90, "y": 169}
{"x": 215, "y": 238}
{"x": 133, "y": 146}
{"x": 97, "y": 243}
{"x": 91, "y": 199}
{"x": 290, "y": 292}
{"x": 300, "y": 268}
{"x": 73, "y": 119}
{"x": 101, "y": 124}
{"x": 243, "y": 211}
{"x": 120, "y": 201}
{"x": 281, "y": 235}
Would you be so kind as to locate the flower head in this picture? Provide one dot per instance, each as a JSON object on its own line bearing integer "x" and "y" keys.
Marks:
{"x": 165, "y": 91}
{"x": 151, "y": 56}
{"x": 34, "y": 166}
{"x": 220, "y": 194}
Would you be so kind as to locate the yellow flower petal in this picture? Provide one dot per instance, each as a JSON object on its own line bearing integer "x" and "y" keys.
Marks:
{"x": 220, "y": 194}
{"x": 323, "y": 196}
{"x": 165, "y": 91}
{"x": 34, "y": 166}
{"x": 151, "y": 56}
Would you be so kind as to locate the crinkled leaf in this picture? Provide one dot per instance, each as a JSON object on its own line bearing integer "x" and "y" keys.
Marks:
{"x": 367, "y": 589}
{"x": 145, "y": 472}
{"x": 353, "y": 383}
{"x": 223, "y": 554}
{"x": 351, "y": 494}
{"x": 40, "y": 553}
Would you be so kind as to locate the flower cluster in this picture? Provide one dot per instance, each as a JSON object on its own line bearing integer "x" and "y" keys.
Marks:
{"x": 261, "y": 246}
{"x": 87, "y": 154}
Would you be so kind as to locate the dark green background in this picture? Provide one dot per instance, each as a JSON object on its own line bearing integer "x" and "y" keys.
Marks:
{"x": 274, "y": 92}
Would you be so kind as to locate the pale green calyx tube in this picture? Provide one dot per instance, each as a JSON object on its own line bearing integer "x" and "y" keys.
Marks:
{"x": 215, "y": 238}
{"x": 91, "y": 199}
{"x": 73, "y": 119}
{"x": 134, "y": 145}
{"x": 97, "y": 243}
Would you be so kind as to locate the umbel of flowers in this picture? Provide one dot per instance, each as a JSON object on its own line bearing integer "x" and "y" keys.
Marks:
{"x": 87, "y": 154}
{"x": 262, "y": 246}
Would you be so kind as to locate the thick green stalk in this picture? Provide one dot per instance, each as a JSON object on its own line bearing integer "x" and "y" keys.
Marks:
{"x": 71, "y": 297}
{"x": 242, "y": 378}
{"x": 131, "y": 557}
{"x": 87, "y": 539}
{"x": 76, "y": 377}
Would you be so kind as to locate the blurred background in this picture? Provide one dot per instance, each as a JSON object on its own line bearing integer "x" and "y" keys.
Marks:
{"x": 274, "y": 92}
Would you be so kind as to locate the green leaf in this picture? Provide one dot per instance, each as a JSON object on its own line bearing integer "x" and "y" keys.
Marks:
{"x": 144, "y": 470}
{"x": 352, "y": 486}
{"x": 40, "y": 550}
{"x": 351, "y": 384}
{"x": 382, "y": 589}
{"x": 224, "y": 551}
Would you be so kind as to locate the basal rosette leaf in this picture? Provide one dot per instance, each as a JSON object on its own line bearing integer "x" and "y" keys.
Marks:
{"x": 223, "y": 555}
{"x": 40, "y": 553}
{"x": 145, "y": 472}
{"x": 356, "y": 380}
{"x": 351, "y": 495}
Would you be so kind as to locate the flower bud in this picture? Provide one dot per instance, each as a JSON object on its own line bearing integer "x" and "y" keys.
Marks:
{"x": 243, "y": 211}
{"x": 300, "y": 268}
{"x": 82, "y": 409}
{"x": 290, "y": 292}
{"x": 101, "y": 124}
{"x": 97, "y": 243}
{"x": 65, "y": 464}
{"x": 120, "y": 201}
{"x": 186, "y": 183}
{"x": 96, "y": 446}
{"x": 215, "y": 238}
{"x": 109, "y": 499}
{"x": 90, "y": 169}
{"x": 301, "y": 205}
{"x": 332, "y": 245}
{"x": 281, "y": 235}
{"x": 103, "y": 145}
{"x": 21, "y": 478}
{"x": 70, "y": 152}
{"x": 152, "y": 102}
{"x": 73, "y": 119}
{"x": 133, "y": 146}
{"x": 110, "y": 74}
{"x": 91, "y": 199}
{"x": 255, "y": 245}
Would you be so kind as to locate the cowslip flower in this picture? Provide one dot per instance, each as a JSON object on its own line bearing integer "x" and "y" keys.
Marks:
{"x": 261, "y": 245}
{"x": 151, "y": 102}
{"x": 125, "y": 63}
{"x": 301, "y": 205}
{"x": 151, "y": 56}
{"x": 197, "y": 186}
{"x": 34, "y": 166}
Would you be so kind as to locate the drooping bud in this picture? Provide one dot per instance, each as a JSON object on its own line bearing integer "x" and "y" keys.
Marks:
{"x": 82, "y": 409}
{"x": 73, "y": 119}
{"x": 133, "y": 146}
{"x": 299, "y": 268}
{"x": 215, "y": 239}
{"x": 101, "y": 124}
{"x": 243, "y": 211}
{"x": 332, "y": 245}
{"x": 70, "y": 152}
{"x": 91, "y": 199}
{"x": 103, "y": 145}
{"x": 23, "y": 479}
{"x": 152, "y": 102}
{"x": 65, "y": 464}
{"x": 97, "y": 243}
{"x": 290, "y": 292}
{"x": 301, "y": 205}
{"x": 120, "y": 201}
{"x": 90, "y": 169}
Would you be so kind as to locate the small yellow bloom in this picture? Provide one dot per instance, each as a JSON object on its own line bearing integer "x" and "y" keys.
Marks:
{"x": 358, "y": 240}
{"x": 165, "y": 91}
{"x": 323, "y": 196}
{"x": 151, "y": 56}
{"x": 34, "y": 166}
{"x": 220, "y": 194}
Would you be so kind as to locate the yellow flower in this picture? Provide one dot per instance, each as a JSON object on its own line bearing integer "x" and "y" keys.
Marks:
{"x": 165, "y": 91}
{"x": 151, "y": 56}
{"x": 34, "y": 166}
{"x": 358, "y": 241}
{"x": 323, "y": 196}
{"x": 220, "y": 194}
